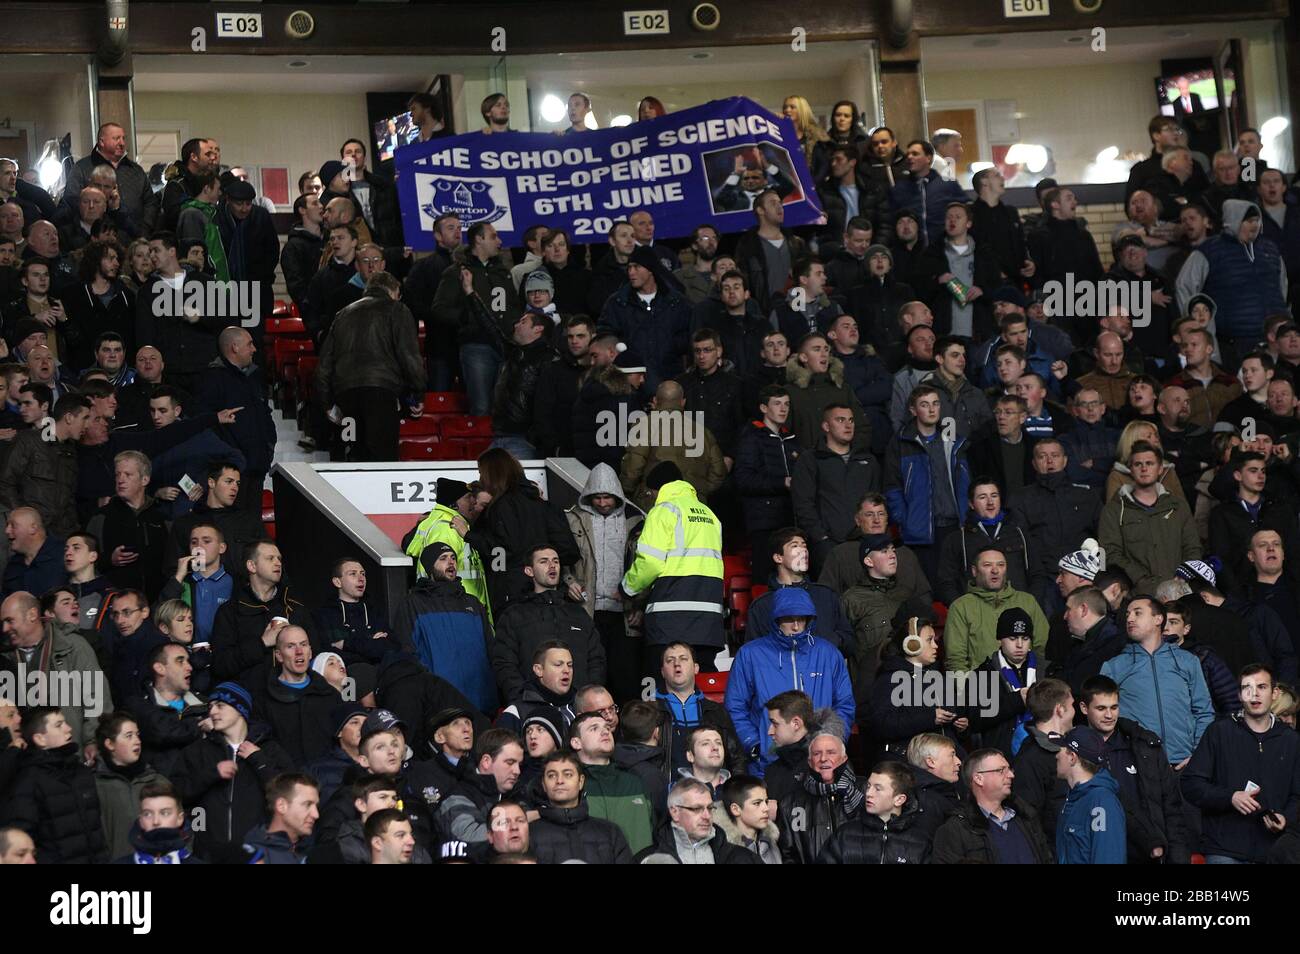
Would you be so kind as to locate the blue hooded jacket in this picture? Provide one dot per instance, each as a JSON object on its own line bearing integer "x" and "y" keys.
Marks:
{"x": 777, "y": 663}
{"x": 1091, "y": 829}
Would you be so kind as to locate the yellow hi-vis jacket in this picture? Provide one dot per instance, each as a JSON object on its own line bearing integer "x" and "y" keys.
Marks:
{"x": 679, "y": 560}
{"x": 437, "y": 528}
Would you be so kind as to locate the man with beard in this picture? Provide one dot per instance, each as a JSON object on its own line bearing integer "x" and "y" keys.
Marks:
{"x": 447, "y": 628}
{"x": 697, "y": 279}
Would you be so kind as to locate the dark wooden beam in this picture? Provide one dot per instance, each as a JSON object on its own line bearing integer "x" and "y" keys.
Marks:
{"x": 432, "y": 29}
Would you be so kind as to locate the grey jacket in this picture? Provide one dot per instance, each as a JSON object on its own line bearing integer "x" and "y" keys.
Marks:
{"x": 586, "y": 525}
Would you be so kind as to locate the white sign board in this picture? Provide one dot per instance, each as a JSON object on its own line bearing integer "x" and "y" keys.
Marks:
{"x": 239, "y": 26}
{"x": 407, "y": 490}
{"x": 644, "y": 22}
{"x": 1027, "y": 8}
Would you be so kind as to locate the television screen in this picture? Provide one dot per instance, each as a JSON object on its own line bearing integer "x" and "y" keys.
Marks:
{"x": 1187, "y": 87}
{"x": 392, "y": 133}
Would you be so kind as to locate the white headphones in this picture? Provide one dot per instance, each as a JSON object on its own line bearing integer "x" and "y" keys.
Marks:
{"x": 912, "y": 642}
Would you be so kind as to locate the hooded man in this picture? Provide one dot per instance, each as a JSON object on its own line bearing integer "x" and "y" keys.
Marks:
{"x": 1241, "y": 272}
{"x": 789, "y": 656}
{"x": 604, "y": 527}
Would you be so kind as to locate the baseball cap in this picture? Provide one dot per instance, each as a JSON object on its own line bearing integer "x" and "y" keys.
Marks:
{"x": 382, "y": 720}
{"x": 1085, "y": 742}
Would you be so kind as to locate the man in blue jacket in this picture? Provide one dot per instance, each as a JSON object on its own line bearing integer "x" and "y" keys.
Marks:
{"x": 925, "y": 192}
{"x": 1161, "y": 687}
{"x": 789, "y": 657}
{"x": 1091, "y": 829}
{"x": 927, "y": 479}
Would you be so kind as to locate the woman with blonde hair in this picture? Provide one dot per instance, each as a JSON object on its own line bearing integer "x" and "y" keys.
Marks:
{"x": 1120, "y": 475}
{"x": 137, "y": 265}
{"x": 797, "y": 110}
{"x": 1285, "y": 705}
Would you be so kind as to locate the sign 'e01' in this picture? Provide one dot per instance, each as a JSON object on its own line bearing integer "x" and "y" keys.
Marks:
{"x": 1027, "y": 8}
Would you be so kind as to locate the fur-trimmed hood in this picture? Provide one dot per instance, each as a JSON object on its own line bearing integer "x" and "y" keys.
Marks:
{"x": 723, "y": 820}
{"x": 798, "y": 376}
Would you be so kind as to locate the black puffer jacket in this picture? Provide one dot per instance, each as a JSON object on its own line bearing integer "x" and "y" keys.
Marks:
{"x": 959, "y": 550}
{"x": 563, "y": 834}
{"x": 187, "y": 347}
{"x": 1036, "y": 783}
{"x": 718, "y": 396}
{"x": 964, "y": 838}
{"x": 870, "y": 840}
{"x": 222, "y": 385}
{"x": 604, "y": 392}
{"x": 1057, "y": 516}
{"x": 826, "y": 490}
{"x": 237, "y": 649}
{"x": 527, "y": 622}
{"x": 742, "y": 335}
{"x": 164, "y": 731}
{"x": 299, "y": 261}
{"x": 54, "y": 800}
{"x": 873, "y": 204}
{"x": 516, "y": 521}
{"x": 414, "y": 695}
{"x": 892, "y": 723}
{"x": 517, "y": 384}
{"x": 299, "y": 718}
{"x": 781, "y": 772}
{"x": 231, "y": 808}
{"x": 820, "y": 817}
{"x": 1155, "y": 817}
{"x": 764, "y": 460}
{"x": 937, "y": 799}
{"x": 371, "y": 344}
{"x": 553, "y": 400}
{"x": 145, "y": 532}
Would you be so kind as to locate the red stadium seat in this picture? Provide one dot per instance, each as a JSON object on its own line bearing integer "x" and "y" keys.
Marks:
{"x": 446, "y": 402}
{"x": 269, "y": 527}
{"x": 428, "y": 447}
{"x": 268, "y": 506}
{"x": 423, "y": 426}
{"x": 735, "y": 564}
{"x": 464, "y": 425}
{"x": 712, "y": 684}
{"x": 757, "y": 590}
{"x": 1198, "y": 859}
{"x": 739, "y": 583}
{"x": 738, "y": 603}
{"x": 285, "y": 324}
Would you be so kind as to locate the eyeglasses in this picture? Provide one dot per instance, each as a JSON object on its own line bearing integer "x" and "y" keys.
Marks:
{"x": 608, "y": 711}
{"x": 370, "y": 261}
{"x": 693, "y": 809}
{"x": 127, "y": 612}
{"x": 996, "y": 771}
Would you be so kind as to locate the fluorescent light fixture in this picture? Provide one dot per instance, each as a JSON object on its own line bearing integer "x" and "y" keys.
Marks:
{"x": 553, "y": 108}
{"x": 979, "y": 167}
{"x": 1032, "y": 157}
{"x": 1274, "y": 126}
{"x": 622, "y": 119}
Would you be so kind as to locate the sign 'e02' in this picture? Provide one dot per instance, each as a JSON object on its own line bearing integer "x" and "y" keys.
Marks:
{"x": 239, "y": 26}
{"x": 642, "y": 22}
{"x": 1027, "y": 8}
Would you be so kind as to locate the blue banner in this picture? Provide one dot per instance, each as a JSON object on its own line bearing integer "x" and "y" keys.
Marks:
{"x": 700, "y": 165}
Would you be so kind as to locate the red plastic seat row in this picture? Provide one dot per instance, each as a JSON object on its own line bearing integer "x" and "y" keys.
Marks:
{"x": 432, "y": 447}
{"x": 712, "y": 684}
{"x": 447, "y": 426}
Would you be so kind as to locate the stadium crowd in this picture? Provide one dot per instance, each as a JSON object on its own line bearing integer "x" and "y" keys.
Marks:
{"x": 983, "y": 570}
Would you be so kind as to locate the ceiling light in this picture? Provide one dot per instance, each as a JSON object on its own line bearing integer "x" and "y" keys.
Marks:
{"x": 622, "y": 119}
{"x": 590, "y": 121}
{"x": 298, "y": 64}
{"x": 552, "y": 108}
{"x": 1109, "y": 154}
